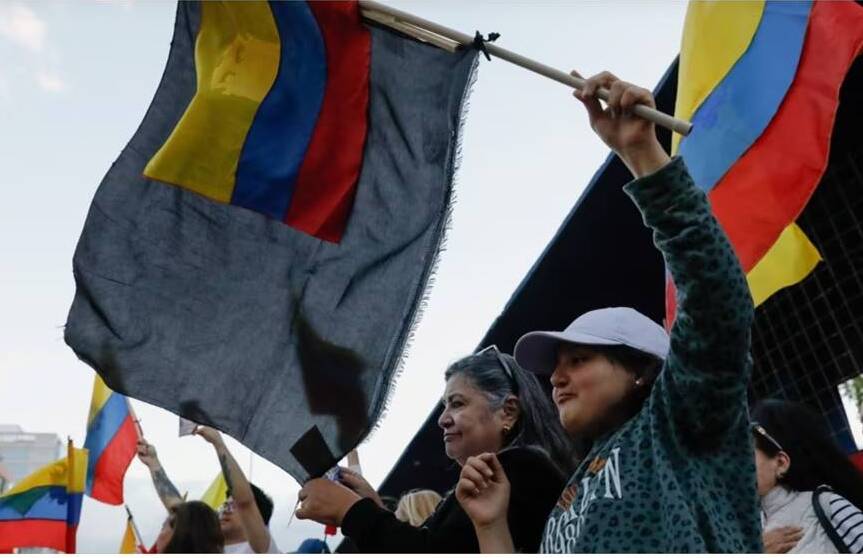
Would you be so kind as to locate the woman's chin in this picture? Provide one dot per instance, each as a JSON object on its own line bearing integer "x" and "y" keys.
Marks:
{"x": 571, "y": 422}
{"x": 453, "y": 451}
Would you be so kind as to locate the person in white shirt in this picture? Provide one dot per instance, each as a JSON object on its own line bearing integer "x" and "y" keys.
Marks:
{"x": 245, "y": 515}
{"x": 803, "y": 474}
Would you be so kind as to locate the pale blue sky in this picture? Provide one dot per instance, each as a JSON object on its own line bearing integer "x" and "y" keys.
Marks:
{"x": 75, "y": 80}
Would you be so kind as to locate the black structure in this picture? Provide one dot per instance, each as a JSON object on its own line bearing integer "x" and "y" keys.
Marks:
{"x": 806, "y": 340}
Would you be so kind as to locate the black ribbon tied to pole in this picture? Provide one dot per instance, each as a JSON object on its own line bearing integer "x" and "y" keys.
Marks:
{"x": 479, "y": 42}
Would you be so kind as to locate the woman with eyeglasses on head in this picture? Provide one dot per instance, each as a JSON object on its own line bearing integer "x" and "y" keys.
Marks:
{"x": 670, "y": 467}
{"x": 490, "y": 405}
{"x": 811, "y": 494}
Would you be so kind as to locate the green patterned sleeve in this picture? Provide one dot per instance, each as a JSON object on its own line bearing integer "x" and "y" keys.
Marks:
{"x": 703, "y": 385}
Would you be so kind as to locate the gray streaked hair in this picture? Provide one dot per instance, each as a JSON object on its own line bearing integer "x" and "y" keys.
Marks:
{"x": 538, "y": 425}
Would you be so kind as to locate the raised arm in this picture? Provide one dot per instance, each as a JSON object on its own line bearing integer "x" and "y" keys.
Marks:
{"x": 168, "y": 493}
{"x": 708, "y": 365}
{"x": 239, "y": 489}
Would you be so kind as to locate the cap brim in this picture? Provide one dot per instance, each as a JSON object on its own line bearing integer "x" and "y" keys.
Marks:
{"x": 537, "y": 351}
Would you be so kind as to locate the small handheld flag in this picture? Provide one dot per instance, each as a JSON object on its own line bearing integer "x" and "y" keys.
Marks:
{"x": 43, "y": 509}
{"x": 112, "y": 438}
{"x": 217, "y": 492}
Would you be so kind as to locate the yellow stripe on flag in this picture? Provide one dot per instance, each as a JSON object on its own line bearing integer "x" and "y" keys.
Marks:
{"x": 101, "y": 393}
{"x": 236, "y": 57}
{"x": 788, "y": 261}
{"x": 216, "y": 495}
{"x": 55, "y": 474}
{"x": 129, "y": 544}
{"x": 715, "y": 35}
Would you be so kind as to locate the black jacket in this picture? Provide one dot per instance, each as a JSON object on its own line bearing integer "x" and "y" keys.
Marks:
{"x": 536, "y": 484}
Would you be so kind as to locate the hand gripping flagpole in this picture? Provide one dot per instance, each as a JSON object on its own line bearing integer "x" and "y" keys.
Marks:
{"x": 449, "y": 39}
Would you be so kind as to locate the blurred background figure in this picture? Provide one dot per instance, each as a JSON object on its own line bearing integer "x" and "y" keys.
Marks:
{"x": 191, "y": 528}
{"x": 794, "y": 456}
{"x": 416, "y": 506}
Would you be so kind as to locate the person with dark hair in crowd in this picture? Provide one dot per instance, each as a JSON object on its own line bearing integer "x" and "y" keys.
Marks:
{"x": 490, "y": 405}
{"x": 670, "y": 466}
{"x": 246, "y": 513}
{"x": 192, "y": 528}
{"x": 811, "y": 494}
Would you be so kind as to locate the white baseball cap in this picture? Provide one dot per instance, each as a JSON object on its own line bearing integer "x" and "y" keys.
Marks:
{"x": 537, "y": 351}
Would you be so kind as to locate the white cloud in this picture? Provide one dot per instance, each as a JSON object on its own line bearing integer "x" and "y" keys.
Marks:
{"x": 21, "y": 25}
{"x": 50, "y": 82}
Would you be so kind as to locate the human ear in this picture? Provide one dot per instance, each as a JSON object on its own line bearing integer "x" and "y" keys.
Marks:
{"x": 511, "y": 410}
{"x": 783, "y": 464}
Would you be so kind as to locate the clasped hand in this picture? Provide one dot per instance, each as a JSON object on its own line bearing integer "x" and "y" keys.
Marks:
{"x": 483, "y": 490}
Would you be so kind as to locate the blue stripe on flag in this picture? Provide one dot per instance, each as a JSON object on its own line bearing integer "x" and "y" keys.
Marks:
{"x": 280, "y": 134}
{"x": 56, "y": 504}
{"x": 738, "y": 110}
{"x": 102, "y": 430}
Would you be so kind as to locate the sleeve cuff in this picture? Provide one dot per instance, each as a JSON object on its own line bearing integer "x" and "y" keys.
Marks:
{"x": 669, "y": 181}
{"x": 360, "y": 518}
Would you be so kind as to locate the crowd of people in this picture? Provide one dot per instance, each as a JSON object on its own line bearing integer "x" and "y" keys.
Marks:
{"x": 649, "y": 443}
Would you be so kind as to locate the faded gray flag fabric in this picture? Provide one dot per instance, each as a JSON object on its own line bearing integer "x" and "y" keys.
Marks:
{"x": 253, "y": 260}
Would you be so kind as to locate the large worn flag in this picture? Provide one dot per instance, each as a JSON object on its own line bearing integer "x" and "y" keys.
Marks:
{"x": 111, "y": 441}
{"x": 760, "y": 82}
{"x": 257, "y": 256}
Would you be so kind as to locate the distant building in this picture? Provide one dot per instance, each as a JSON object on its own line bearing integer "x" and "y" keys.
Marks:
{"x": 22, "y": 453}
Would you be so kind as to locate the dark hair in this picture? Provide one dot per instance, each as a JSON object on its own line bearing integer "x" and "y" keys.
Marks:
{"x": 264, "y": 503}
{"x": 816, "y": 458}
{"x": 644, "y": 366}
{"x": 196, "y": 530}
{"x": 538, "y": 425}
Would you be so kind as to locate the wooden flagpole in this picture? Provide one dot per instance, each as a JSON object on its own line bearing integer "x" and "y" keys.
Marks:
{"x": 135, "y": 419}
{"x": 443, "y": 37}
{"x": 354, "y": 462}
{"x": 71, "y": 533}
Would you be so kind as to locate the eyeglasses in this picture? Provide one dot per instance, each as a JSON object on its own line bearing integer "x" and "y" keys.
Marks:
{"x": 758, "y": 429}
{"x": 227, "y": 507}
{"x": 503, "y": 363}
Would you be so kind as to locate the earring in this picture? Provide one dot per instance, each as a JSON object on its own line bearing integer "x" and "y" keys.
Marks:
{"x": 506, "y": 430}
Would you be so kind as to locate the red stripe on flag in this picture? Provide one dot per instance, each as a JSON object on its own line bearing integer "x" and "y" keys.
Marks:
{"x": 111, "y": 467}
{"x": 768, "y": 188}
{"x": 42, "y": 533}
{"x": 326, "y": 184}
